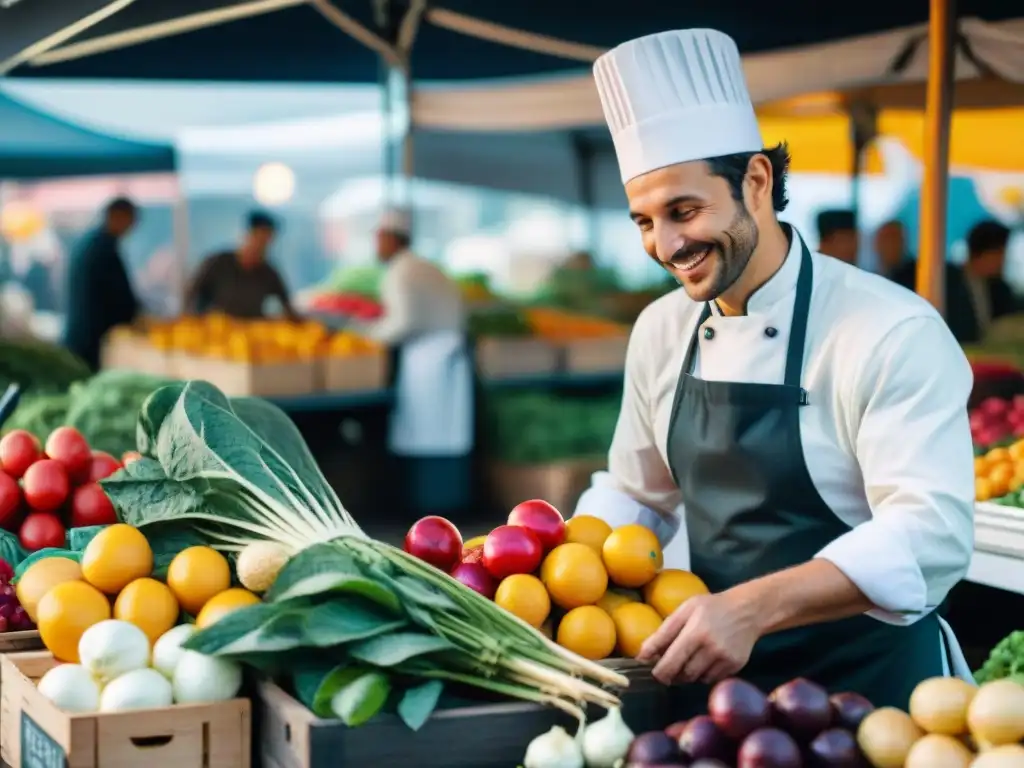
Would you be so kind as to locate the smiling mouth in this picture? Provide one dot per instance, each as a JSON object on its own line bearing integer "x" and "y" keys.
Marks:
{"x": 693, "y": 261}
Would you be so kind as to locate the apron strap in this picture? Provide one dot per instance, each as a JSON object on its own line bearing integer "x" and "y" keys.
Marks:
{"x": 801, "y": 309}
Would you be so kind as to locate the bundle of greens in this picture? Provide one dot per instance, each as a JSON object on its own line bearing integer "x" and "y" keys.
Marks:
{"x": 351, "y": 617}
{"x": 1005, "y": 660}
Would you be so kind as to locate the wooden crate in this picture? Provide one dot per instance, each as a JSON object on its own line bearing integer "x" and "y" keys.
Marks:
{"x": 484, "y": 735}
{"x": 239, "y": 379}
{"x": 508, "y": 358}
{"x": 560, "y": 483}
{"x": 597, "y": 355}
{"x": 34, "y": 732}
{"x": 133, "y": 352}
{"x": 355, "y": 373}
{"x": 13, "y": 642}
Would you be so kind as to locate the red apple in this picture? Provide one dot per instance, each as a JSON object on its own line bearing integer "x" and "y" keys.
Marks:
{"x": 541, "y": 518}
{"x": 436, "y": 541}
{"x": 510, "y": 549}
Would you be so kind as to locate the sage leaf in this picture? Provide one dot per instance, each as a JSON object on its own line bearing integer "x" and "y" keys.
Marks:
{"x": 337, "y": 623}
{"x": 362, "y": 698}
{"x": 324, "y": 568}
{"x": 418, "y": 703}
{"x": 393, "y": 649}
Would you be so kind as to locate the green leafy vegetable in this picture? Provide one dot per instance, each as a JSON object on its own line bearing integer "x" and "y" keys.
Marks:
{"x": 393, "y": 649}
{"x": 419, "y": 702}
{"x": 1005, "y": 660}
{"x": 10, "y": 549}
{"x": 361, "y": 698}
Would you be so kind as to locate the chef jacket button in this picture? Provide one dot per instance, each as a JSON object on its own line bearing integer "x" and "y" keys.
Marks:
{"x": 770, "y": 332}
{"x": 709, "y": 333}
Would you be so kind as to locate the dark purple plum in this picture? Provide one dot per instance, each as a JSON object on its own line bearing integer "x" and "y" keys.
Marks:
{"x": 835, "y": 748}
{"x": 801, "y": 708}
{"x": 849, "y": 709}
{"x": 738, "y": 708}
{"x": 653, "y": 747}
{"x": 769, "y": 748}
{"x": 703, "y": 739}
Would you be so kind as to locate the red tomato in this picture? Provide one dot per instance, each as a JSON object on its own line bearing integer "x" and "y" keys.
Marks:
{"x": 541, "y": 518}
{"x": 91, "y": 506}
{"x": 436, "y": 541}
{"x": 66, "y": 445}
{"x": 509, "y": 549}
{"x": 45, "y": 485}
{"x": 103, "y": 465}
{"x": 41, "y": 530}
{"x": 129, "y": 456}
{"x": 476, "y": 577}
{"x": 19, "y": 450}
{"x": 10, "y": 499}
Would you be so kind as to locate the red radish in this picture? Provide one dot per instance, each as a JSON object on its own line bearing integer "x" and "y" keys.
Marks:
{"x": 45, "y": 485}
{"x": 66, "y": 445}
{"x": 509, "y": 549}
{"x": 41, "y": 530}
{"x": 541, "y": 518}
{"x": 91, "y": 506}
{"x": 476, "y": 577}
{"x": 103, "y": 465}
{"x": 19, "y": 450}
{"x": 436, "y": 541}
{"x": 10, "y": 499}
{"x": 129, "y": 456}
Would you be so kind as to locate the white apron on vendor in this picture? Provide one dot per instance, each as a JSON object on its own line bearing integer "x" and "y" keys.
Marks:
{"x": 829, "y": 421}
{"x": 431, "y": 425}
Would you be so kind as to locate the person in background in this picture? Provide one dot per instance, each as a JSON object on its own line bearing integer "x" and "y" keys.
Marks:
{"x": 99, "y": 292}
{"x": 239, "y": 282}
{"x": 990, "y": 295}
{"x": 424, "y": 321}
{"x": 891, "y": 249}
{"x": 837, "y": 235}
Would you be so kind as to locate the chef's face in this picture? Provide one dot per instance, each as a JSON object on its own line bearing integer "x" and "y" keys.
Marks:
{"x": 693, "y": 226}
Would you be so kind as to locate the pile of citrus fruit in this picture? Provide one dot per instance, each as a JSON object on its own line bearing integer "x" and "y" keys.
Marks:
{"x": 999, "y": 471}
{"x": 597, "y": 591}
{"x": 115, "y": 580}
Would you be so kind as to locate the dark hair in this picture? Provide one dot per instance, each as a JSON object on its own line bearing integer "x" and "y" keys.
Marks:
{"x": 121, "y": 205}
{"x": 261, "y": 220}
{"x": 987, "y": 236}
{"x": 733, "y": 168}
{"x": 838, "y": 220}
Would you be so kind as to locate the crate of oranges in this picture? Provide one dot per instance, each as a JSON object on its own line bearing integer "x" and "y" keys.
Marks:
{"x": 999, "y": 472}
{"x": 354, "y": 364}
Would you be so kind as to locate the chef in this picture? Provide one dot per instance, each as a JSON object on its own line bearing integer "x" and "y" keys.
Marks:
{"x": 805, "y": 419}
{"x": 424, "y": 322}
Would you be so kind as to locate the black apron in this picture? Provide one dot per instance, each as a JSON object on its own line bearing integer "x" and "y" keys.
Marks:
{"x": 752, "y": 509}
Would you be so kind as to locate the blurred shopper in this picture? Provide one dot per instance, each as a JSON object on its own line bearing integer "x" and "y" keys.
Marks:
{"x": 239, "y": 282}
{"x": 990, "y": 295}
{"x": 837, "y": 235}
{"x": 894, "y": 261}
{"x": 424, "y": 322}
{"x": 99, "y": 292}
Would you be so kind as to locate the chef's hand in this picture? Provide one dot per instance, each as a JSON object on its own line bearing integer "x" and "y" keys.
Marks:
{"x": 706, "y": 639}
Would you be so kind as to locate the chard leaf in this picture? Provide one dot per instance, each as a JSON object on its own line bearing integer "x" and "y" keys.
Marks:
{"x": 395, "y": 648}
{"x": 361, "y": 698}
{"x": 324, "y": 568}
{"x": 419, "y": 702}
{"x": 142, "y": 493}
{"x": 425, "y": 595}
{"x": 316, "y": 685}
{"x": 159, "y": 404}
{"x": 337, "y": 623}
{"x": 237, "y": 629}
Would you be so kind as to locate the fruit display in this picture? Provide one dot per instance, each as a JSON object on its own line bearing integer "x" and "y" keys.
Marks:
{"x": 556, "y": 325}
{"x": 596, "y": 591}
{"x": 996, "y": 422}
{"x": 1005, "y": 660}
{"x": 47, "y": 489}
{"x": 353, "y": 305}
{"x": 999, "y": 474}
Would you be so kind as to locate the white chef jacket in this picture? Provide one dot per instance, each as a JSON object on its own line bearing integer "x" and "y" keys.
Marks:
{"x": 885, "y": 436}
{"x": 417, "y": 297}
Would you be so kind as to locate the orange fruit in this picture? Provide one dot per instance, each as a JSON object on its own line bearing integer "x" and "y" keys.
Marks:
{"x": 613, "y": 598}
{"x": 65, "y": 612}
{"x": 42, "y": 576}
{"x": 116, "y": 556}
{"x": 632, "y": 555}
{"x": 1001, "y": 473}
{"x": 1016, "y": 450}
{"x": 634, "y": 623}
{"x": 982, "y": 489}
{"x": 585, "y": 529}
{"x": 980, "y": 465}
{"x": 999, "y": 487}
{"x": 195, "y": 575}
{"x": 149, "y": 605}
{"x": 219, "y": 606}
{"x": 574, "y": 575}
{"x": 671, "y": 588}
{"x": 998, "y": 456}
{"x": 588, "y": 631}
{"x": 524, "y": 596}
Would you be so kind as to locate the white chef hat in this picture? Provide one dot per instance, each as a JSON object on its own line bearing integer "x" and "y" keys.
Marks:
{"x": 397, "y": 220}
{"x": 674, "y": 97}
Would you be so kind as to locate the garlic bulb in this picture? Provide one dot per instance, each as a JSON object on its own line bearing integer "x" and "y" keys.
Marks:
{"x": 606, "y": 741}
{"x": 554, "y": 749}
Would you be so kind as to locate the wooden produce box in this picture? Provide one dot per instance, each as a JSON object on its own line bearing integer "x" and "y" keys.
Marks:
{"x": 476, "y": 735}
{"x": 241, "y": 379}
{"x": 34, "y": 732}
{"x": 509, "y": 358}
{"x": 355, "y": 373}
{"x": 595, "y": 355}
{"x": 133, "y": 352}
{"x": 560, "y": 483}
{"x": 13, "y": 642}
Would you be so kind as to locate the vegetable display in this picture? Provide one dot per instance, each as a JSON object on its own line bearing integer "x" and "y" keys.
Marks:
{"x": 354, "y": 621}
{"x": 1006, "y": 659}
